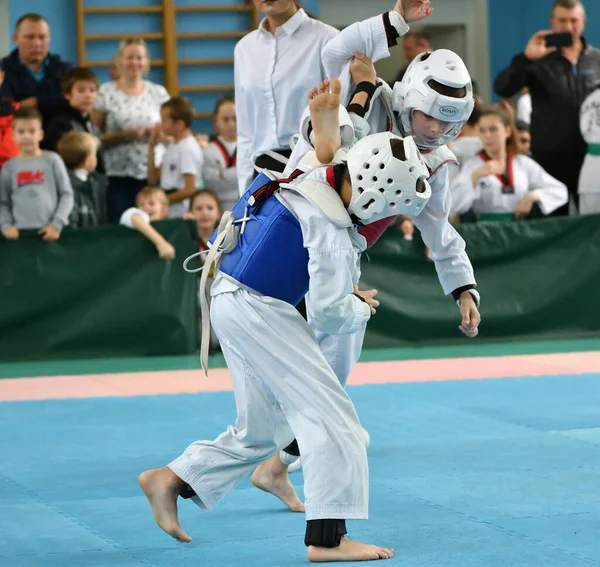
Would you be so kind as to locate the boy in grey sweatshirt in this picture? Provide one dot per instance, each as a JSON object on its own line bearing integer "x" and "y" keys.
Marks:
{"x": 35, "y": 191}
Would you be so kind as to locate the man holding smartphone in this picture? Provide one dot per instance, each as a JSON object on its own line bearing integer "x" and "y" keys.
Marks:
{"x": 560, "y": 69}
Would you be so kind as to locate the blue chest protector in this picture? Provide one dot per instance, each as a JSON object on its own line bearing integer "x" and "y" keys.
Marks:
{"x": 270, "y": 256}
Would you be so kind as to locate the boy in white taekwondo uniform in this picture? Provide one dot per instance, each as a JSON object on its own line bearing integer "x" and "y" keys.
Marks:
{"x": 282, "y": 239}
{"x": 432, "y": 103}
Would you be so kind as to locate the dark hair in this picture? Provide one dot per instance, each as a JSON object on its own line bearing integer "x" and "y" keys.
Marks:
{"x": 421, "y": 36}
{"x": 446, "y": 90}
{"x": 398, "y": 149}
{"x": 500, "y": 111}
{"x": 476, "y": 114}
{"x": 521, "y": 126}
{"x": 567, "y": 5}
{"x": 180, "y": 108}
{"x": 399, "y": 153}
{"x": 32, "y": 17}
{"x": 27, "y": 113}
{"x": 75, "y": 74}
{"x": 210, "y": 193}
{"x": 223, "y": 99}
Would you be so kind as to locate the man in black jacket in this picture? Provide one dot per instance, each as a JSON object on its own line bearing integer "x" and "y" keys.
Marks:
{"x": 559, "y": 80}
{"x": 32, "y": 74}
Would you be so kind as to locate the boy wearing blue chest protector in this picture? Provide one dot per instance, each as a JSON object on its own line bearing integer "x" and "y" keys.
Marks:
{"x": 283, "y": 239}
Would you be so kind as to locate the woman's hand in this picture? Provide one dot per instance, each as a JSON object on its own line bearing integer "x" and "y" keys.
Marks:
{"x": 133, "y": 134}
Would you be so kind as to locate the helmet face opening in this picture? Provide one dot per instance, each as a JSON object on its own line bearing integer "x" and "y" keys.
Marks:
{"x": 429, "y": 132}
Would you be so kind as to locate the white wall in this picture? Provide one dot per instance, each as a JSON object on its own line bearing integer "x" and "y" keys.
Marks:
{"x": 470, "y": 15}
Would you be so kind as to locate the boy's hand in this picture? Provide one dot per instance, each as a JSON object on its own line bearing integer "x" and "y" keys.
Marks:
{"x": 368, "y": 297}
{"x": 470, "y": 315}
{"x": 49, "y": 232}
{"x": 407, "y": 227}
{"x": 413, "y": 10}
{"x": 362, "y": 69}
{"x": 11, "y": 233}
{"x": 165, "y": 251}
{"x": 155, "y": 134}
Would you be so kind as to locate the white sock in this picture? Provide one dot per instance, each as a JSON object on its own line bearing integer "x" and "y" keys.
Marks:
{"x": 286, "y": 458}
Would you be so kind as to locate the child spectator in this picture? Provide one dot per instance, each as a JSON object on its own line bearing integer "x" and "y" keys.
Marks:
{"x": 182, "y": 164}
{"x": 523, "y": 137}
{"x": 35, "y": 192}
{"x": 8, "y": 147}
{"x": 206, "y": 210}
{"x": 79, "y": 150}
{"x": 501, "y": 184}
{"x": 220, "y": 156}
{"x": 80, "y": 89}
{"x": 152, "y": 205}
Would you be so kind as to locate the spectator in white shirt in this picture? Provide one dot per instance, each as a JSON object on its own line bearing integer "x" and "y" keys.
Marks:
{"x": 524, "y": 108}
{"x": 220, "y": 155}
{"x": 500, "y": 183}
{"x": 275, "y": 66}
{"x": 181, "y": 166}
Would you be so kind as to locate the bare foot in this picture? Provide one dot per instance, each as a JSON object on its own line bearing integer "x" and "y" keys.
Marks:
{"x": 348, "y": 550}
{"x": 272, "y": 477}
{"x": 161, "y": 487}
{"x": 324, "y": 102}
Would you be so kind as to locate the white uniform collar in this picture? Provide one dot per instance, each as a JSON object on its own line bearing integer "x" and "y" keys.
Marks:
{"x": 81, "y": 174}
{"x": 290, "y": 26}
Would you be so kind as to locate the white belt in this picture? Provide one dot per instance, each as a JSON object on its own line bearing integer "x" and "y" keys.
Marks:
{"x": 225, "y": 241}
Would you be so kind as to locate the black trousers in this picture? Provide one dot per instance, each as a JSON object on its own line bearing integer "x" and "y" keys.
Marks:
{"x": 565, "y": 167}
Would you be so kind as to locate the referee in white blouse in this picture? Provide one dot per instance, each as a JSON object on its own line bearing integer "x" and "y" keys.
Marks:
{"x": 275, "y": 66}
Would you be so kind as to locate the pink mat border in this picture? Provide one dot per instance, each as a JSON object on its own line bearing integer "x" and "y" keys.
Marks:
{"x": 193, "y": 381}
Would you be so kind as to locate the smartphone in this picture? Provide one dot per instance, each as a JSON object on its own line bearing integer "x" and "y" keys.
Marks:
{"x": 559, "y": 40}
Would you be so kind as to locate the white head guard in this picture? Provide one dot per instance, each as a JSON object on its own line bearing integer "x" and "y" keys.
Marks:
{"x": 384, "y": 185}
{"x": 415, "y": 93}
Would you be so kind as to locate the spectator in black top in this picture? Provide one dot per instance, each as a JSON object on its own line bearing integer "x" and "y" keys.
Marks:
{"x": 80, "y": 88}
{"x": 558, "y": 79}
{"x": 32, "y": 74}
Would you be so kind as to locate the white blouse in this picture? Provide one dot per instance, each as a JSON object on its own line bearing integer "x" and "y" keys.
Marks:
{"x": 491, "y": 195}
{"x": 273, "y": 74}
{"x": 123, "y": 111}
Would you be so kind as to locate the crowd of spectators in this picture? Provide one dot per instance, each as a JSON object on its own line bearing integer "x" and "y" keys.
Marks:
{"x": 76, "y": 153}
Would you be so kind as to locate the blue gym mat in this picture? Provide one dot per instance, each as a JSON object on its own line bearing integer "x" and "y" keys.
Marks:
{"x": 479, "y": 473}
